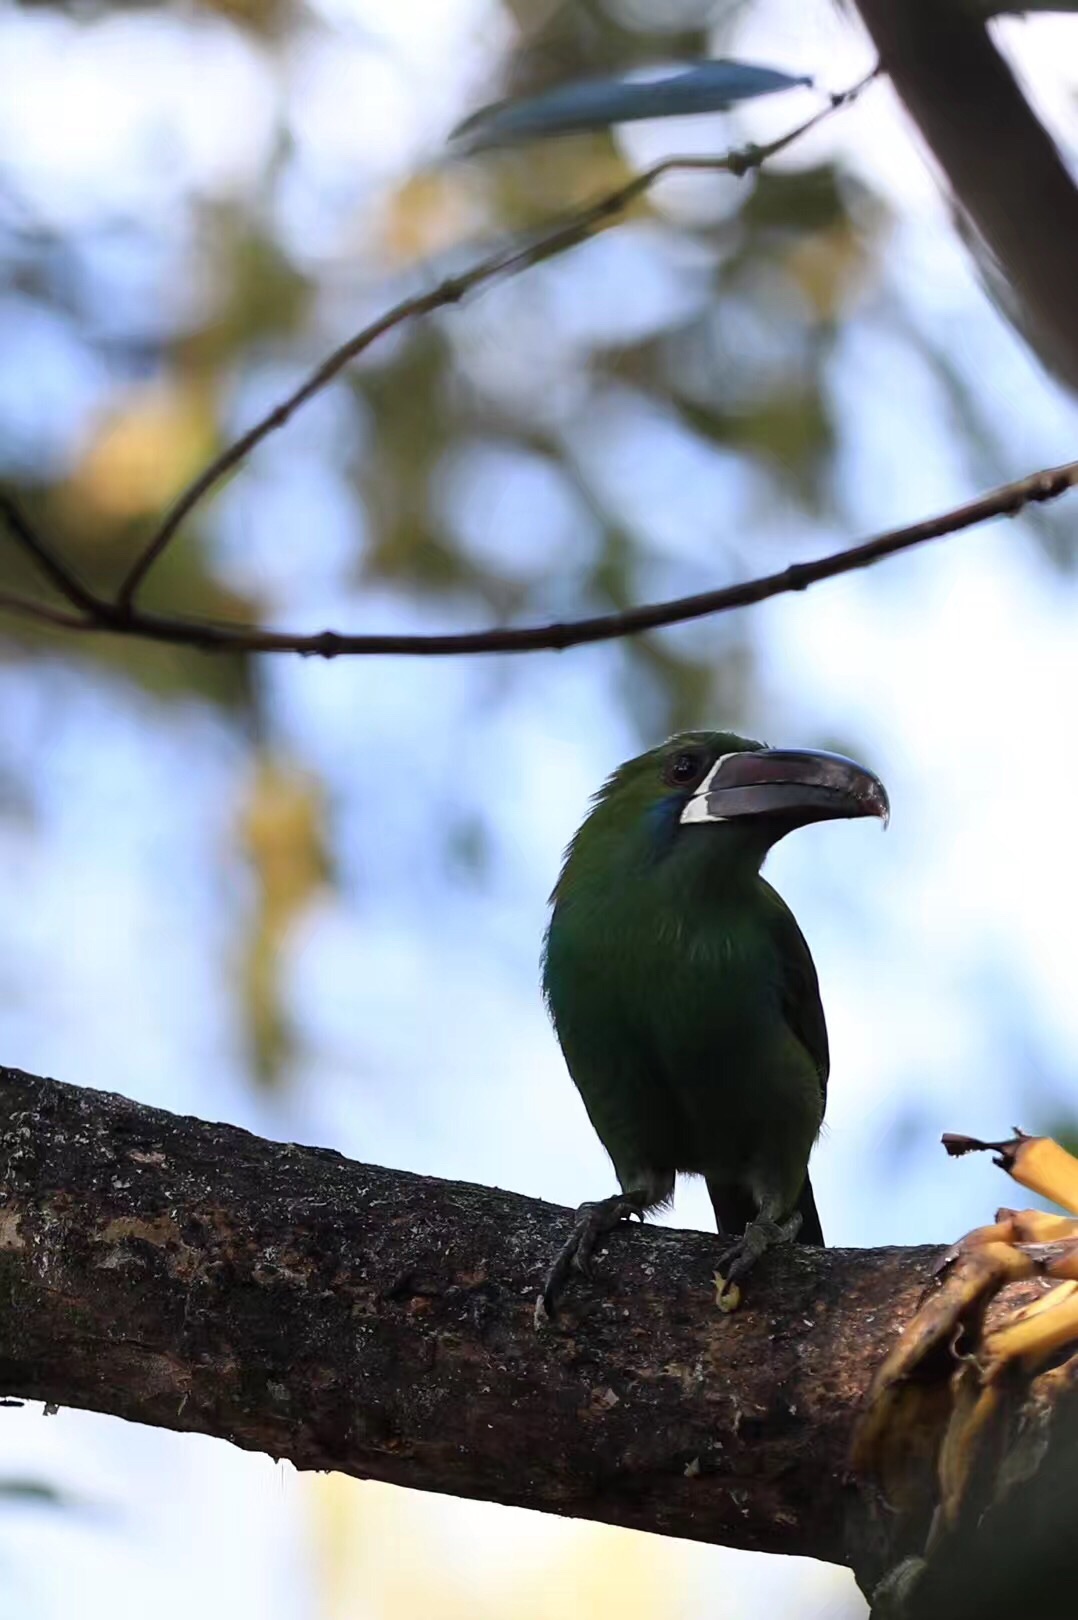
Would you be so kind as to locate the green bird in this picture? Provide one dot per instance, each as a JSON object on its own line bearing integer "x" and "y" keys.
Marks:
{"x": 683, "y": 993}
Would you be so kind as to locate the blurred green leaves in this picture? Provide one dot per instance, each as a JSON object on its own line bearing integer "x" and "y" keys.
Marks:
{"x": 32, "y": 1493}
{"x": 549, "y": 382}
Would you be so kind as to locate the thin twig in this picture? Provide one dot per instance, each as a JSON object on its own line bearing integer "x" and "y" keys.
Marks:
{"x": 1006, "y": 501}
{"x": 571, "y": 231}
{"x": 25, "y": 607}
{"x": 58, "y": 572}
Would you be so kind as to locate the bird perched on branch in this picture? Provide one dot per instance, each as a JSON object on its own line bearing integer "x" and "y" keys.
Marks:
{"x": 683, "y": 992}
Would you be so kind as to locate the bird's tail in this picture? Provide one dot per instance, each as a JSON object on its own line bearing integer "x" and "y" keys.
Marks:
{"x": 735, "y": 1207}
{"x": 811, "y": 1230}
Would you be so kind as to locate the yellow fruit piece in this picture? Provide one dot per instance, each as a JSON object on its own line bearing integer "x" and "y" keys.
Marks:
{"x": 1034, "y": 1335}
{"x": 1039, "y": 1163}
{"x": 973, "y": 1409}
{"x": 727, "y": 1295}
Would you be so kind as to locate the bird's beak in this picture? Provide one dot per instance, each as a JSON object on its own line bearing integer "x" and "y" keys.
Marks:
{"x": 801, "y": 784}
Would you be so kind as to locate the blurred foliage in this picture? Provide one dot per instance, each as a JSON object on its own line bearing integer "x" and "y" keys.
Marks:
{"x": 359, "y": 1566}
{"x": 282, "y": 831}
{"x": 32, "y": 1492}
{"x": 168, "y": 319}
{"x": 269, "y": 19}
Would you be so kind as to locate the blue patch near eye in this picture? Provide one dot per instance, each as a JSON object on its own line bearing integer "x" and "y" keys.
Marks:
{"x": 664, "y": 819}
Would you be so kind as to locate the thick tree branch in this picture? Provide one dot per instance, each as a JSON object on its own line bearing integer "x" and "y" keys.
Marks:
{"x": 194, "y": 1277}
{"x": 214, "y": 636}
{"x": 1002, "y": 166}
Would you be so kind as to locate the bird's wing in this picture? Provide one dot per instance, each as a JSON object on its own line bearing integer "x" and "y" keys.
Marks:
{"x": 800, "y": 988}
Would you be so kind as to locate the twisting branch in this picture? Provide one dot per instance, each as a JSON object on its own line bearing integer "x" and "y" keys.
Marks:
{"x": 103, "y": 616}
{"x": 567, "y": 234}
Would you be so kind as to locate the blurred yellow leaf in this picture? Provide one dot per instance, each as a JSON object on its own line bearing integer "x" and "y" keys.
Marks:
{"x": 537, "y": 186}
{"x": 387, "y": 1554}
{"x": 145, "y": 449}
{"x": 831, "y": 269}
{"x": 282, "y": 830}
{"x": 282, "y": 833}
{"x": 430, "y": 212}
{"x": 263, "y": 17}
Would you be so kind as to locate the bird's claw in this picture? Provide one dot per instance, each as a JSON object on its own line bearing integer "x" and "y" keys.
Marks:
{"x": 593, "y": 1222}
{"x": 742, "y": 1255}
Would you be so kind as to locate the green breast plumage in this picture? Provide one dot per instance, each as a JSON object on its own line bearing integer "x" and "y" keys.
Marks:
{"x": 673, "y": 1013}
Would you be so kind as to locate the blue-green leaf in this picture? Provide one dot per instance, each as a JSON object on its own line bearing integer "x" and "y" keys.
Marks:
{"x": 36, "y": 1491}
{"x": 587, "y": 104}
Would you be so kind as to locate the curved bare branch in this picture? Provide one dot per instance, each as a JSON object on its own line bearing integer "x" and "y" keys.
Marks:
{"x": 104, "y": 617}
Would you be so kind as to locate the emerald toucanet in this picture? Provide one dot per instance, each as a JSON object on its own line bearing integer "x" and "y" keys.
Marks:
{"x": 682, "y": 990}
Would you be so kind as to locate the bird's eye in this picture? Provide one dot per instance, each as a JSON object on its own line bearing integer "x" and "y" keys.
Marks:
{"x": 685, "y": 770}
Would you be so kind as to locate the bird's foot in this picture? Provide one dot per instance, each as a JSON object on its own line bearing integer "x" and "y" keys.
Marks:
{"x": 593, "y": 1221}
{"x": 738, "y": 1260}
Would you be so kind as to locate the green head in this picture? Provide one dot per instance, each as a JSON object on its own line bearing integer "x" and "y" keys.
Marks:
{"x": 711, "y": 799}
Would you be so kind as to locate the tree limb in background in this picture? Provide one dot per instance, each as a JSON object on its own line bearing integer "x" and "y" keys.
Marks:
{"x": 1004, "y": 170}
{"x": 568, "y": 233}
{"x": 105, "y": 617}
{"x": 197, "y": 1278}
